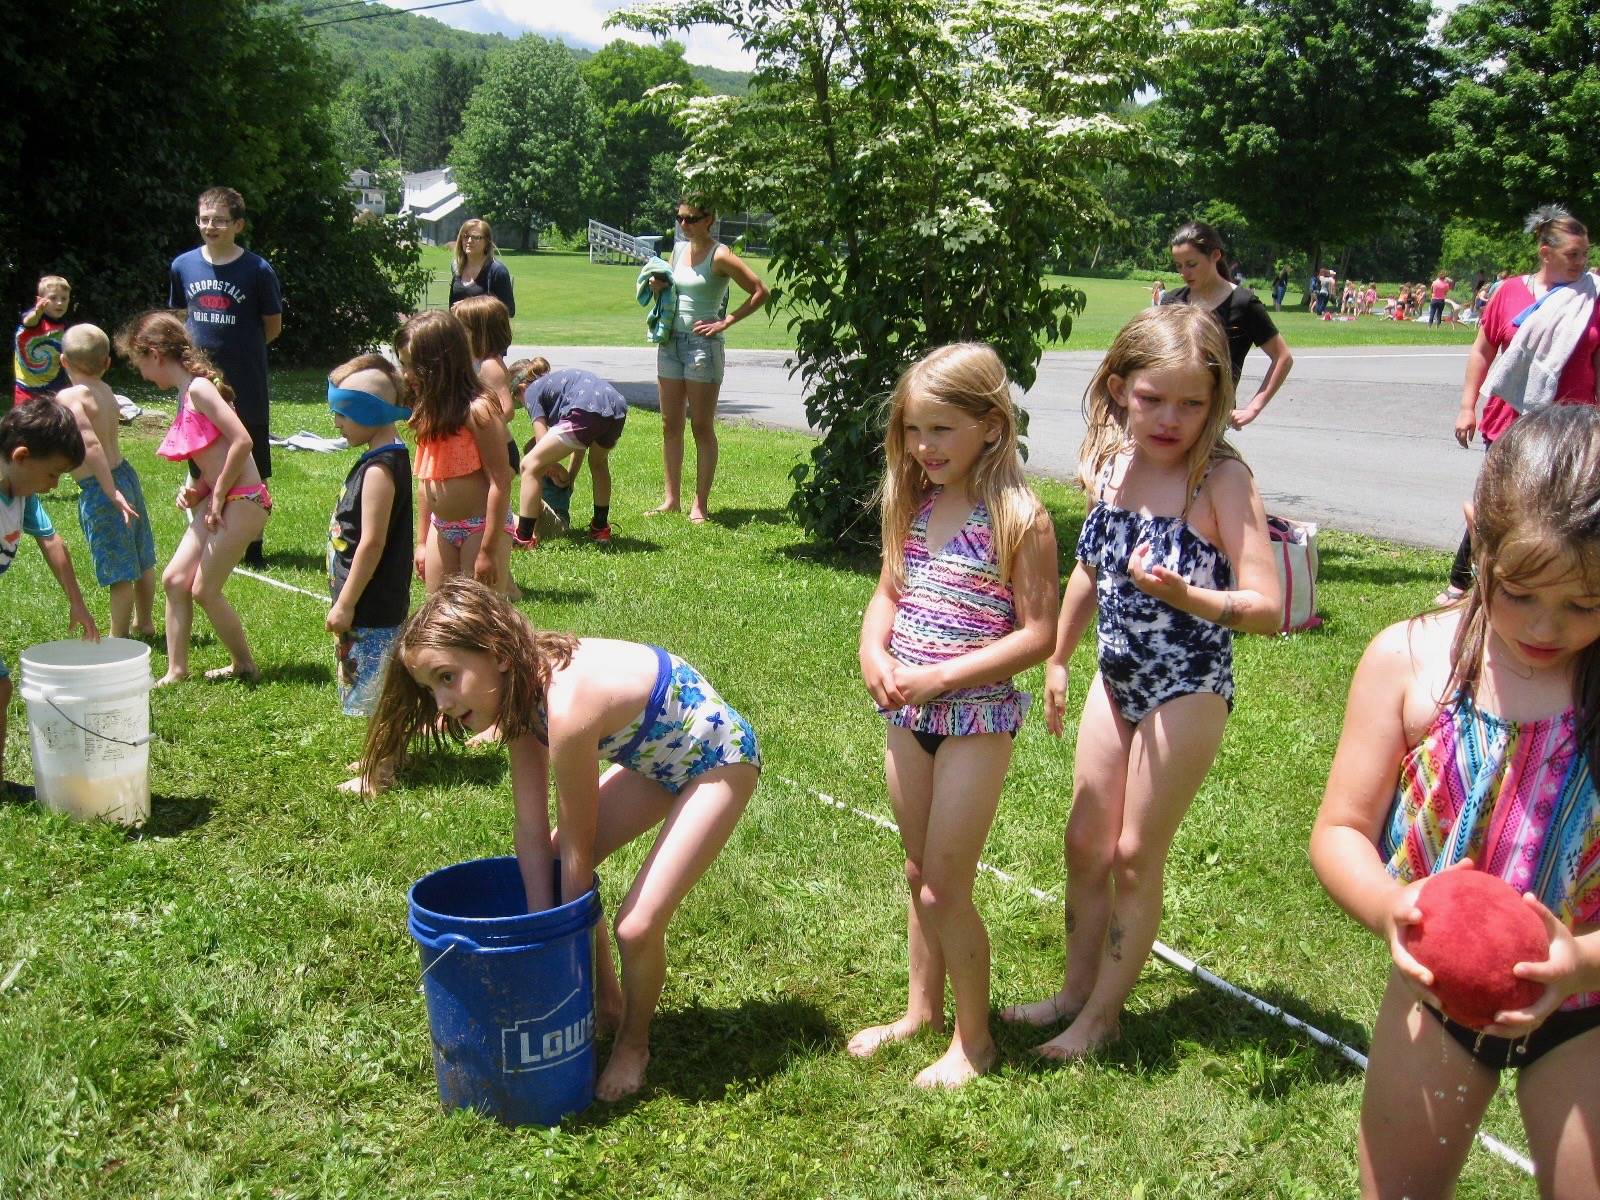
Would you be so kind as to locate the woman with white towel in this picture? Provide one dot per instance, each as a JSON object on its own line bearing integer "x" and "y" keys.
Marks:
{"x": 1538, "y": 344}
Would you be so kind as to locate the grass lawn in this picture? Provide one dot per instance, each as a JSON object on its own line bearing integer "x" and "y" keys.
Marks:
{"x": 226, "y": 1004}
{"x": 564, "y": 300}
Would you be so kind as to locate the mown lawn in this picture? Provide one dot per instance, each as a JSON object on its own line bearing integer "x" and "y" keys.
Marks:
{"x": 226, "y": 1004}
{"x": 565, "y": 300}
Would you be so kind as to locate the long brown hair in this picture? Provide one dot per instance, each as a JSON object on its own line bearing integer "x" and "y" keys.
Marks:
{"x": 1205, "y": 239}
{"x": 459, "y": 252}
{"x": 971, "y": 377}
{"x": 464, "y": 615}
{"x": 438, "y": 373}
{"x": 1537, "y": 505}
{"x": 488, "y": 325}
{"x": 1174, "y": 336}
{"x": 160, "y": 333}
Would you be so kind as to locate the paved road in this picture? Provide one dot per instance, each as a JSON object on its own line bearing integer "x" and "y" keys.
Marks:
{"x": 1358, "y": 439}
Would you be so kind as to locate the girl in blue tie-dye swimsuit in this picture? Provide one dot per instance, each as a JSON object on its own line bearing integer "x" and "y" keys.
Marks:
{"x": 1174, "y": 556}
{"x": 681, "y": 758}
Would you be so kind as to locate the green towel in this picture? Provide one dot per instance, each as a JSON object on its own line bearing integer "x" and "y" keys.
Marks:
{"x": 662, "y": 308}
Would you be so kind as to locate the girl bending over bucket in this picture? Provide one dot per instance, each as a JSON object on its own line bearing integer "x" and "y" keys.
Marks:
{"x": 680, "y": 757}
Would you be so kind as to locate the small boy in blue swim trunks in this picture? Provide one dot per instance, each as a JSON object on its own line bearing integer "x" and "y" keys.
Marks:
{"x": 39, "y": 442}
{"x": 111, "y": 506}
{"x": 369, "y": 538}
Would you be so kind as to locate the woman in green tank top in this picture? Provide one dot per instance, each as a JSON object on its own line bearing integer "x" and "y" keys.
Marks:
{"x": 689, "y": 363}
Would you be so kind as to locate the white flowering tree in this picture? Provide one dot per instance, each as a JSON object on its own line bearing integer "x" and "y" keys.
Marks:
{"x": 924, "y": 162}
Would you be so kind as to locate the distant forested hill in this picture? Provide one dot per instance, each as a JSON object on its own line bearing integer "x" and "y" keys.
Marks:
{"x": 366, "y": 34}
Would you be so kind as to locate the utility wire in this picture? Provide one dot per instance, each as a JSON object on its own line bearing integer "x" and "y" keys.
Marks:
{"x": 386, "y": 13}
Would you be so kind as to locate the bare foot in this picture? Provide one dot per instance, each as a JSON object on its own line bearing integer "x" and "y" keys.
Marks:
{"x": 875, "y": 1037}
{"x": 956, "y": 1067}
{"x": 697, "y": 516}
{"x": 485, "y": 737}
{"x": 362, "y": 786}
{"x": 1078, "y": 1039}
{"x": 145, "y": 631}
{"x": 624, "y": 1073}
{"x": 661, "y": 508}
{"x": 171, "y": 677}
{"x": 1040, "y": 1013}
{"x": 250, "y": 674}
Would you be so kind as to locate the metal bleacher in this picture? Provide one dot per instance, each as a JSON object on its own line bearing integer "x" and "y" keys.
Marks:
{"x": 610, "y": 245}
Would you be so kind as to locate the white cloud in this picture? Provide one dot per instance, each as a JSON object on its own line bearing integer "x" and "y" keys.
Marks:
{"x": 579, "y": 23}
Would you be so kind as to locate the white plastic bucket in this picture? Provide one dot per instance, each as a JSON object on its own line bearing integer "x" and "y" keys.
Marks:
{"x": 89, "y": 723}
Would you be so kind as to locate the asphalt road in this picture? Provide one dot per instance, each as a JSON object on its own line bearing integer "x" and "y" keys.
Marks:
{"x": 1358, "y": 439}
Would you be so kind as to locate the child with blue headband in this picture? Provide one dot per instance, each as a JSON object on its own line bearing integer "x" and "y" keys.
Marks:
{"x": 369, "y": 538}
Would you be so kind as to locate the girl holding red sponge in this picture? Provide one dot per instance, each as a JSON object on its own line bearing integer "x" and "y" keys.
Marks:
{"x": 1464, "y": 779}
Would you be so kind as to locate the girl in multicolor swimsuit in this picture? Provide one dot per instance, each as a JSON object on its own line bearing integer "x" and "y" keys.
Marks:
{"x": 680, "y": 758}
{"x": 227, "y": 502}
{"x": 463, "y": 474}
{"x": 1174, "y": 555}
{"x": 965, "y": 600}
{"x": 1470, "y": 741}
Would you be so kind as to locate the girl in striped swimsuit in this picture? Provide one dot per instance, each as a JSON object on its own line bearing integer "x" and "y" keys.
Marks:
{"x": 966, "y": 599}
{"x": 1470, "y": 742}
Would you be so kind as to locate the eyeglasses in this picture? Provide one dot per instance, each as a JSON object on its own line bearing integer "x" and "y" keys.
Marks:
{"x": 691, "y": 218}
{"x": 213, "y": 222}
{"x": 474, "y": 237}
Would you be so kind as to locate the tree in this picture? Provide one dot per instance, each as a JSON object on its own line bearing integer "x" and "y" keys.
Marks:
{"x": 440, "y": 85}
{"x": 1313, "y": 134}
{"x": 634, "y": 131}
{"x": 1518, "y": 123}
{"x": 529, "y": 147}
{"x": 109, "y": 206}
{"x": 924, "y": 160}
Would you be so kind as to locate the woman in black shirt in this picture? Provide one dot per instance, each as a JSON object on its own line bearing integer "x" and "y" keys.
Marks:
{"x": 1197, "y": 253}
{"x": 476, "y": 271}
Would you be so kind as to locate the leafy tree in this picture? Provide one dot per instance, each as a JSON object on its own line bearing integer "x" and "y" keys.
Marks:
{"x": 528, "y": 152}
{"x": 109, "y": 205}
{"x": 924, "y": 160}
{"x": 1313, "y": 134}
{"x": 1518, "y": 123}
{"x": 1470, "y": 247}
{"x": 634, "y": 131}
{"x": 439, "y": 85}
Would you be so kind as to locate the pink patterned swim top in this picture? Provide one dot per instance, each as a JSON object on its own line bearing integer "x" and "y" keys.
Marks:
{"x": 189, "y": 433}
{"x": 1518, "y": 798}
{"x": 953, "y": 603}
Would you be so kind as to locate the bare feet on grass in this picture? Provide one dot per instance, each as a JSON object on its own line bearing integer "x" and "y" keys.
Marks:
{"x": 250, "y": 674}
{"x": 1081, "y": 1038}
{"x": 624, "y": 1073}
{"x": 957, "y": 1067}
{"x": 697, "y": 516}
{"x": 660, "y": 509}
{"x": 875, "y": 1037}
{"x": 170, "y": 678}
{"x": 1039, "y": 1013}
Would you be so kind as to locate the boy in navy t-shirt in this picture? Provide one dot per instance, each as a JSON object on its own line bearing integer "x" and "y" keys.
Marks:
{"x": 234, "y": 308}
{"x": 39, "y": 442}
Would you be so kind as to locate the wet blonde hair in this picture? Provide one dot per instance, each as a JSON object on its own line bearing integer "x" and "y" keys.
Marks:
{"x": 1537, "y": 506}
{"x": 488, "y": 325}
{"x": 971, "y": 377}
{"x": 464, "y": 615}
{"x": 160, "y": 333}
{"x": 86, "y": 345}
{"x": 1173, "y": 337}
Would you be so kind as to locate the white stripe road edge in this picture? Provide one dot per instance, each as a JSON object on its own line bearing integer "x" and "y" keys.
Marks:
{"x": 1185, "y": 964}
{"x": 1162, "y": 951}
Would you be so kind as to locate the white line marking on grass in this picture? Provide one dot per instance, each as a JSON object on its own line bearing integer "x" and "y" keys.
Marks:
{"x": 1359, "y": 357}
{"x": 278, "y": 583}
{"x": 1185, "y": 964}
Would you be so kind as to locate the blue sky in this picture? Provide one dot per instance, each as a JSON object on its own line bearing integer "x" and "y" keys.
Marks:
{"x": 578, "y": 23}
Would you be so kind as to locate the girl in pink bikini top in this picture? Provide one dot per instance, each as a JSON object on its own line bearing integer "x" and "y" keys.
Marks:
{"x": 190, "y": 431}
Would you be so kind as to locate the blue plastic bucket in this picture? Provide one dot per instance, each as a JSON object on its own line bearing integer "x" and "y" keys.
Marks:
{"x": 510, "y": 993}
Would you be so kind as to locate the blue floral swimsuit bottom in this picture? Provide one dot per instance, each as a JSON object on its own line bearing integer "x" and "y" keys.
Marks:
{"x": 685, "y": 730}
{"x": 1150, "y": 652}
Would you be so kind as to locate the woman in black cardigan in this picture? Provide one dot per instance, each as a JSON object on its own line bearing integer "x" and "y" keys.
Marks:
{"x": 476, "y": 270}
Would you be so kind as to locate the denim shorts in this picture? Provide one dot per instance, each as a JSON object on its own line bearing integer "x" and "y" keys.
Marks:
{"x": 690, "y": 356}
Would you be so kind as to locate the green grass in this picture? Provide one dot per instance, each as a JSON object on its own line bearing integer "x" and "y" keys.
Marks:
{"x": 226, "y": 1004}
{"x": 565, "y": 300}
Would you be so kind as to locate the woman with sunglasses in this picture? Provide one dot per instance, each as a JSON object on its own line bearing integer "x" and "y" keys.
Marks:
{"x": 476, "y": 271}
{"x": 689, "y": 362}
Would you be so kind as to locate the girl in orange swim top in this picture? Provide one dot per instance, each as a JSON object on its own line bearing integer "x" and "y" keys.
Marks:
{"x": 463, "y": 475}
{"x": 227, "y": 502}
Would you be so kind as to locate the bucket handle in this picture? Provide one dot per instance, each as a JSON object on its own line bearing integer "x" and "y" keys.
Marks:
{"x": 50, "y": 699}
{"x": 452, "y": 941}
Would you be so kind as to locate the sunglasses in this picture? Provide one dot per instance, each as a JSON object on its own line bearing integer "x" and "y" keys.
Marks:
{"x": 691, "y": 218}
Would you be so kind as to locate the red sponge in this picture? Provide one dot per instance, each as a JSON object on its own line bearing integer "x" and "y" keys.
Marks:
{"x": 1474, "y": 929}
